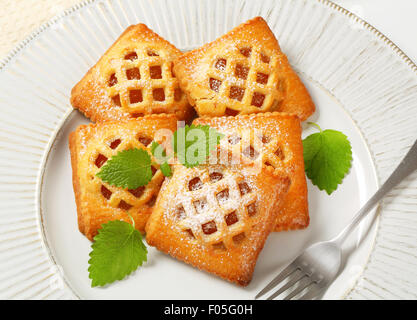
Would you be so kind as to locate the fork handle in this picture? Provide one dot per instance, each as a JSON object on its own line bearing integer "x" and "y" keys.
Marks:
{"x": 406, "y": 167}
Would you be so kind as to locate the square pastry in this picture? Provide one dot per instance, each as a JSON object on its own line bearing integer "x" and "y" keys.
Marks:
{"x": 91, "y": 146}
{"x": 242, "y": 72}
{"x": 272, "y": 140}
{"x": 133, "y": 78}
{"x": 216, "y": 217}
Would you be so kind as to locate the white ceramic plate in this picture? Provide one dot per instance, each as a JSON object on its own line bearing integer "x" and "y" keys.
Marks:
{"x": 361, "y": 83}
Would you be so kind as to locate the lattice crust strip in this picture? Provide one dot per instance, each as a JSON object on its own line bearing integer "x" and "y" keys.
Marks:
{"x": 131, "y": 199}
{"x": 133, "y": 78}
{"x": 91, "y": 146}
{"x": 215, "y": 208}
{"x": 142, "y": 81}
{"x": 242, "y": 72}
{"x": 248, "y": 146}
{"x": 217, "y": 217}
{"x": 268, "y": 140}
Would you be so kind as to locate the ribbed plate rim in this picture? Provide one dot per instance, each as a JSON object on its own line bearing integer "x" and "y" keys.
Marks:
{"x": 10, "y": 57}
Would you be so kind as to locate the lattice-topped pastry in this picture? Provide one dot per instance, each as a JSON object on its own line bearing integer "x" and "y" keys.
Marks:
{"x": 242, "y": 72}
{"x": 133, "y": 78}
{"x": 275, "y": 141}
{"x": 216, "y": 217}
{"x": 91, "y": 146}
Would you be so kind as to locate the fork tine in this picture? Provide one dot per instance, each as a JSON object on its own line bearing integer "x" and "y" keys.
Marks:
{"x": 281, "y": 276}
{"x": 313, "y": 292}
{"x": 304, "y": 283}
{"x": 288, "y": 285}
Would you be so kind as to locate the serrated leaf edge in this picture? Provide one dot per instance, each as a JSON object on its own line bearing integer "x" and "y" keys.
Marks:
{"x": 96, "y": 283}
{"x": 349, "y": 160}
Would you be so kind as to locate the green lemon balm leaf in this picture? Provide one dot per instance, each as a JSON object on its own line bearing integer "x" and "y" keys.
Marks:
{"x": 327, "y": 158}
{"x": 117, "y": 251}
{"x": 193, "y": 144}
{"x": 127, "y": 169}
{"x": 166, "y": 169}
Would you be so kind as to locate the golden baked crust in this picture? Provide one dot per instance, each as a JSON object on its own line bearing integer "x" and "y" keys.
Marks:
{"x": 242, "y": 72}
{"x": 90, "y": 146}
{"x": 133, "y": 78}
{"x": 279, "y": 145}
{"x": 216, "y": 218}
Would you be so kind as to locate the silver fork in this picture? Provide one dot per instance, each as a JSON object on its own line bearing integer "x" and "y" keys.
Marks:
{"x": 317, "y": 266}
